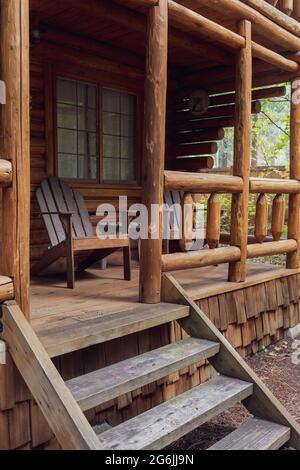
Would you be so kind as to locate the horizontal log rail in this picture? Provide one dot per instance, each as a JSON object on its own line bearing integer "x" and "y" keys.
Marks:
{"x": 204, "y": 183}
{"x": 6, "y": 289}
{"x": 280, "y": 247}
{"x": 198, "y": 259}
{"x": 274, "y": 186}
{"x": 188, "y": 20}
{"x": 5, "y": 173}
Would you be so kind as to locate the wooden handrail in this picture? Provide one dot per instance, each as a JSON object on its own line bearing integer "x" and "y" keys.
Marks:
{"x": 5, "y": 172}
{"x": 274, "y": 186}
{"x": 204, "y": 183}
{"x": 197, "y": 259}
{"x": 280, "y": 247}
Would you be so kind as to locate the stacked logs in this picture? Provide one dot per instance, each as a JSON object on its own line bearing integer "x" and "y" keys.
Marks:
{"x": 194, "y": 138}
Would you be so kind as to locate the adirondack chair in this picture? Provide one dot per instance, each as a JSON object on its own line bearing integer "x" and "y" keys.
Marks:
{"x": 174, "y": 199}
{"x": 71, "y": 233}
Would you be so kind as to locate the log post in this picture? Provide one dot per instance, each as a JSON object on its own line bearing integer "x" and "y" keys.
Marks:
{"x": 242, "y": 153}
{"x": 213, "y": 232}
{"x": 14, "y": 145}
{"x": 294, "y": 199}
{"x": 261, "y": 219}
{"x": 278, "y": 215}
{"x": 154, "y": 149}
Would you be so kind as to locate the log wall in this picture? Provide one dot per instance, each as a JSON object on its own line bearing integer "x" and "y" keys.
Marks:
{"x": 43, "y": 60}
{"x": 251, "y": 319}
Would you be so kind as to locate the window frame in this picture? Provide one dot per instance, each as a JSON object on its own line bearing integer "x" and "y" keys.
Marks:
{"x": 92, "y": 77}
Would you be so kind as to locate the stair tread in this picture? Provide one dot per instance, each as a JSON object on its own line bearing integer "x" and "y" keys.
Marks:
{"x": 105, "y": 384}
{"x": 255, "y": 434}
{"x": 58, "y": 339}
{"x": 164, "y": 424}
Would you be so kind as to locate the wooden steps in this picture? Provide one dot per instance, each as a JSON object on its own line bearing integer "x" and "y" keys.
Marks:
{"x": 255, "y": 434}
{"x": 169, "y": 421}
{"x": 61, "y": 339}
{"x": 105, "y": 384}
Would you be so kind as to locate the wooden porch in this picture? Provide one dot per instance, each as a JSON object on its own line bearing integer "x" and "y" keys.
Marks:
{"x": 65, "y": 319}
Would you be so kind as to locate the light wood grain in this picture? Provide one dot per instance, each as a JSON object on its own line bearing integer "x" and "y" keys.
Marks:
{"x": 262, "y": 403}
{"x": 61, "y": 339}
{"x": 108, "y": 383}
{"x": 166, "y": 423}
{"x": 64, "y": 416}
{"x": 255, "y": 434}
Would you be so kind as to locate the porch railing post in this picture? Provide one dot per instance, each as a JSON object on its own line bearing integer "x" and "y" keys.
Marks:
{"x": 242, "y": 153}
{"x": 14, "y": 146}
{"x": 154, "y": 149}
{"x": 294, "y": 199}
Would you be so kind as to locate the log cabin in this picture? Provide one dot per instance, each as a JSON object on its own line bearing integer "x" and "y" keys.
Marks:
{"x": 102, "y": 95}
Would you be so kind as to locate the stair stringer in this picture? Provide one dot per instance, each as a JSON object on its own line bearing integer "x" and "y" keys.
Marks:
{"x": 262, "y": 403}
{"x": 60, "y": 409}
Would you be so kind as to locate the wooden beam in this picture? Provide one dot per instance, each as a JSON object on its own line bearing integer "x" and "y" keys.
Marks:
{"x": 229, "y": 98}
{"x": 154, "y": 148}
{"x": 262, "y": 402}
{"x": 293, "y": 259}
{"x": 205, "y": 183}
{"x": 271, "y": 57}
{"x": 60, "y": 409}
{"x": 5, "y": 172}
{"x": 242, "y": 154}
{"x": 280, "y": 247}
{"x": 14, "y": 143}
{"x": 189, "y": 21}
{"x": 264, "y": 26}
{"x": 6, "y": 289}
{"x": 197, "y": 259}
{"x": 274, "y": 186}
{"x": 290, "y": 24}
{"x": 193, "y": 163}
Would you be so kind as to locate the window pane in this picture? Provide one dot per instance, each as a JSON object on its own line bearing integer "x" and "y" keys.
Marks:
{"x": 127, "y": 104}
{"x": 127, "y": 170}
{"x": 111, "y": 101}
{"x": 127, "y": 148}
{"x": 87, "y": 119}
{"x": 67, "y": 166}
{"x": 111, "y": 124}
{"x": 118, "y": 139}
{"x": 127, "y": 126}
{"x": 77, "y": 129}
{"x": 112, "y": 169}
{"x": 111, "y": 146}
{"x": 67, "y": 141}
{"x": 66, "y": 116}
{"x": 66, "y": 91}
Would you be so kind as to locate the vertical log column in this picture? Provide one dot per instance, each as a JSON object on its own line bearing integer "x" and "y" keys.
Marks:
{"x": 154, "y": 149}
{"x": 294, "y": 199}
{"x": 14, "y": 145}
{"x": 242, "y": 153}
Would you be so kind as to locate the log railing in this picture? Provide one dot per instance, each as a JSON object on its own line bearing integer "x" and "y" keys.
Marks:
{"x": 261, "y": 244}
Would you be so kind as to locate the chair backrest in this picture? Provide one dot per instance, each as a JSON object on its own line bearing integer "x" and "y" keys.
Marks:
{"x": 54, "y": 197}
{"x": 173, "y": 199}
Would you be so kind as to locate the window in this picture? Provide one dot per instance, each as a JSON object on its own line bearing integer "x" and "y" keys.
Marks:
{"x": 118, "y": 136}
{"x": 77, "y": 136}
{"x": 80, "y": 155}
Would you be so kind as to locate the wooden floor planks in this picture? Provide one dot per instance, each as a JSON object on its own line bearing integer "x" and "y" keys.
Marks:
{"x": 62, "y": 339}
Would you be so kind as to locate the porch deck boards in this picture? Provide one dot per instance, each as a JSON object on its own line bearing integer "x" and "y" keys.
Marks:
{"x": 105, "y": 292}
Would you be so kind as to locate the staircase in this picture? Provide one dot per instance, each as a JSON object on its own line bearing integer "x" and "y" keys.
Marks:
{"x": 64, "y": 403}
